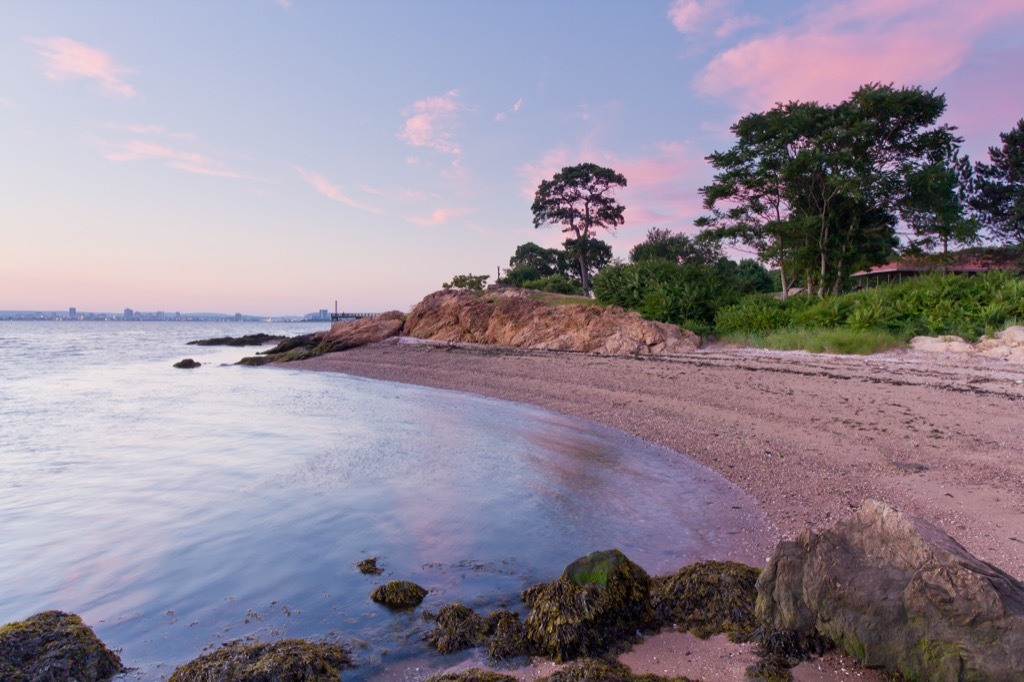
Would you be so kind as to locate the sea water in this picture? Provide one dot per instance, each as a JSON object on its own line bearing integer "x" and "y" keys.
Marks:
{"x": 178, "y": 509}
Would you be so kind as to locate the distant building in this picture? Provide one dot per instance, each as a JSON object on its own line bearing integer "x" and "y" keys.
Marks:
{"x": 966, "y": 263}
{"x": 72, "y": 313}
{"x": 129, "y": 314}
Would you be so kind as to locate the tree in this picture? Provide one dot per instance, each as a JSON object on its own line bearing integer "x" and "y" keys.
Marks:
{"x": 998, "y": 191}
{"x": 936, "y": 208}
{"x": 598, "y": 256}
{"x": 469, "y": 282}
{"x": 818, "y": 190}
{"x": 579, "y": 198}
{"x": 661, "y": 244}
{"x": 532, "y": 262}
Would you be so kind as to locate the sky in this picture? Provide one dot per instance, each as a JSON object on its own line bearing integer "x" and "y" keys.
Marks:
{"x": 274, "y": 156}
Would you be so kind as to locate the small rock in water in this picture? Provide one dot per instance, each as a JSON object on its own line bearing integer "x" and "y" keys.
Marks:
{"x": 187, "y": 363}
{"x": 369, "y": 566}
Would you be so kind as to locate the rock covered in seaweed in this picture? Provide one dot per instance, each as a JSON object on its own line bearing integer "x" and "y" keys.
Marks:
{"x": 896, "y": 592}
{"x": 600, "y": 600}
{"x": 399, "y": 594}
{"x": 53, "y": 646}
{"x": 286, "y": 660}
{"x": 708, "y": 598}
{"x": 369, "y": 566}
{"x": 603, "y": 670}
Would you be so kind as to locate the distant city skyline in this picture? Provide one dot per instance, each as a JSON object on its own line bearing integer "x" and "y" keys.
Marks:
{"x": 275, "y": 155}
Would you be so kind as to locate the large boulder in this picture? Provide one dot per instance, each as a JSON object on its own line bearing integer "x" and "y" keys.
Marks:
{"x": 513, "y": 318}
{"x": 53, "y": 646}
{"x": 896, "y": 592}
{"x": 350, "y": 334}
{"x": 601, "y": 600}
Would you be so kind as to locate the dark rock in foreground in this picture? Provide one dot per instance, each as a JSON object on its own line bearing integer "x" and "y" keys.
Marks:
{"x": 603, "y": 670}
{"x": 472, "y": 675}
{"x": 286, "y": 660}
{"x": 54, "y": 646}
{"x": 250, "y": 340}
{"x": 187, "y": 363}
{"x": 369, "y": 566}
{"x": 600, "y": 600}
{"x": 895, "y": 592}
{"x": 399, "y": 594}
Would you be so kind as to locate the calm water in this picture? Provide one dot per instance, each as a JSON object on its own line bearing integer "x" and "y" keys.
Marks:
{"x": 174, "y": 509}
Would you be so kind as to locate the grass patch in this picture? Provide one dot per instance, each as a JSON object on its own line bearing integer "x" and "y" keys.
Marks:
{"x": 552, "y": 299}
{"x": 839, "y": 341}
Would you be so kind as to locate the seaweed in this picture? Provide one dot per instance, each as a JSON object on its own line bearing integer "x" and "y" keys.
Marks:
{"x": 286, "y": 660}
{"x": 52, "y": 646}
{"x": 472, "y": 675}
{"x": 399, "y": 594}
{"x": 603, "y": 670}
{"x": 709, "y": 598}
{"x": 458, "y": 627}
{"x": 506, "y": 636}
{"x": 369, "y": 566}
{"x": 600, "y": 601}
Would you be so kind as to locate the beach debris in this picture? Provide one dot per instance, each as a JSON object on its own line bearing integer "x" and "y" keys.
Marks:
{"x": 286, "y": 660}
{"x": 895, "y": 592}
{"x": 369, "y": 566}
{"x": 187, "y": 363}
{"x": 54, "y": 645}
{"x": 600, "y": 601}
{"x": 472, "y": 675}
{"x": 399, "y": 594}
{"x": 708, "y": 598}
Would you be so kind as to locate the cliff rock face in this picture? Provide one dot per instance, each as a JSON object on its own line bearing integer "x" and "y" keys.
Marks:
{"x": 898, "y": 593}
{"x": 512, "y": 318}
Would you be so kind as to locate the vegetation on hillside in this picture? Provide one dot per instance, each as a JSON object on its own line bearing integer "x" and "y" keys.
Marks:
{"x": 816, "y": 192}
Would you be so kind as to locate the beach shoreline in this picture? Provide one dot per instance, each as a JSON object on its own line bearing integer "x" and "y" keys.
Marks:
{"x": 808, "y": 436}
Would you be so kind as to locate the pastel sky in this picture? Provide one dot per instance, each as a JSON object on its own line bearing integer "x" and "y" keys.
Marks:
{"x": 271, "y": 157}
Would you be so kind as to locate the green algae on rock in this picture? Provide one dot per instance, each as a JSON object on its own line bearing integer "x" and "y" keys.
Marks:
{"x": 708, "y": 598}
{"x": 286, "y": 660}
{"x": 399, "y": 594}
{"x": 600, "y": 600}
{"x": 54, "y": 646}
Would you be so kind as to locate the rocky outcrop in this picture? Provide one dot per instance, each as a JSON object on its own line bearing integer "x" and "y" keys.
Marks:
{"x": 1005, "y": 345}
{"x": 897, "y": 593}
{"x": 345, "y": 335}
{"x": 54, "y": 645}
{"x": 512, "y": 318}
{"x": 187, "y": 363}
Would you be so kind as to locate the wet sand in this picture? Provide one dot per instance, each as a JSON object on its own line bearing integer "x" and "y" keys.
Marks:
{"x": 808, "y": 436}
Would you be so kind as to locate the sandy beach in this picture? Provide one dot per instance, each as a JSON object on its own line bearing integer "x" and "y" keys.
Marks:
{"x": 808, "y": 436}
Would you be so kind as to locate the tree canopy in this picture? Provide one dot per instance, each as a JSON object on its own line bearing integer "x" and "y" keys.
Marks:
{"x": 579, "y": 198}
{"x": 679, "y": 248}
{"x": 817, "y": 190}
{"x": 998, "y": 191}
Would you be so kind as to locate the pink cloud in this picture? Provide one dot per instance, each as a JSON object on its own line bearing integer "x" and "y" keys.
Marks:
{"x": 431, "y": 123}
{"x": 440, "y": 216}
{"x": 142, "y": 150}
{"x": 843, "y": 46}
{"x": 689, "y": 16}
{"x": 505, "y": 114}
{"x": 331, "y": 191}
{"x": 66, "y": 58}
